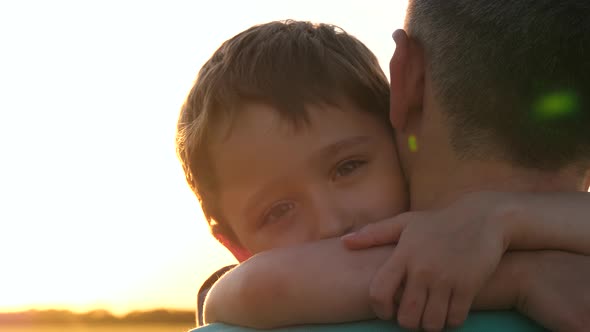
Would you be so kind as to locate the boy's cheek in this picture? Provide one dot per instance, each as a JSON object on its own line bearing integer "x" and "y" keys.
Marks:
{"x": 371, "y": 209}
{"x": 280, "y": 236}
{"x": 387, "y": 198}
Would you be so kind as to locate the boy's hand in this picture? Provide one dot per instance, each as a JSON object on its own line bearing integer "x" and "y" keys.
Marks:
{"x": 442, "y": 259}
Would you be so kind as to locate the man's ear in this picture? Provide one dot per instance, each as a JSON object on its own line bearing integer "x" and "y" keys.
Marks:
{"x": 406, "y": 70}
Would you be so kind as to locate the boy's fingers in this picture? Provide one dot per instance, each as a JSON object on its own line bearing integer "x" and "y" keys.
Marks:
{"x": 376, "y": 234}
{"x": 435, "y": 313}
{"x": 459, "y": 306}
{"x": 412, "y": 306}
{"x": 384, "y": 287}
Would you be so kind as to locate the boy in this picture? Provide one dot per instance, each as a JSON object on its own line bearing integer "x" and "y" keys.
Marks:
{"x": 285, "y": 139}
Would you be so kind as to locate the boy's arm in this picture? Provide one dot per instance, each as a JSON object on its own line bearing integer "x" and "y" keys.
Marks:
{"x": 319, "y": 282}
{"x": 445, "y": 256}
{"x": 204, "y": 290}
{"x": 559, "y": 221}
{"x": 534, "y": 221}
{"x": 555, "y": 289}
{"x": 522, "y": 221}
{"x": 325, "y": 283}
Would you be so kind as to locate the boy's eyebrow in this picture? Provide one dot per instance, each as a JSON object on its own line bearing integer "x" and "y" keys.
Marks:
{"x": 338, "y": 146}
{"x": 322, "y": 153}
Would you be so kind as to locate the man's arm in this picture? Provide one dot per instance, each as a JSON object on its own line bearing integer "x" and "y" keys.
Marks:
{"x": 321, "y": 282}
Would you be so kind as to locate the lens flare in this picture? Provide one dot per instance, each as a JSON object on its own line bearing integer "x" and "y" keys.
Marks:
{"x": 412, "y": 143}
{"x": 556, "y": 105}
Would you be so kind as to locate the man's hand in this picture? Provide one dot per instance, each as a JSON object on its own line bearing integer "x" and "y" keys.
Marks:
{"x": 443, "y": 257}
{"x": 556, "y": 289}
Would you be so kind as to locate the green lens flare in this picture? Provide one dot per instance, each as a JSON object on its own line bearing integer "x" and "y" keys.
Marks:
{"x": 556, "y": 105}
{"x": 412, "y": 143}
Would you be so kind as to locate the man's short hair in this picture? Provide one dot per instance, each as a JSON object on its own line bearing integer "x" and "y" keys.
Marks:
{"x": 513, "y": 77}
{"x": 287, "y": 65}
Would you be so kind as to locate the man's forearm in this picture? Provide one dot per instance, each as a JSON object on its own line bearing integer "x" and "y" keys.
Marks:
{"x": 320, "y": 282}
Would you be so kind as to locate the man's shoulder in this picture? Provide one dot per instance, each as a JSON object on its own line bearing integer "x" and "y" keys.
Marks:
{"x": 488, "y": 321}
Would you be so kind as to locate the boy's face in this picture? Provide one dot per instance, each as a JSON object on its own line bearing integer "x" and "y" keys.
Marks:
{"x": 281, "y": 186}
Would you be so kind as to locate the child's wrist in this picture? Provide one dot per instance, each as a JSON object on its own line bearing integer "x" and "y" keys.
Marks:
{"x": 511, "y": 216}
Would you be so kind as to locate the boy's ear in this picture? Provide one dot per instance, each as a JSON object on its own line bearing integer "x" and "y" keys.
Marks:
{"x": 239, "y": 252}
{"x": 406, "y": 70}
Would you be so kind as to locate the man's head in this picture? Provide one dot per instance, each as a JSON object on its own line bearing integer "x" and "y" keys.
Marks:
{"x": 252, "y": 130}
{"x": 508, "y": 79}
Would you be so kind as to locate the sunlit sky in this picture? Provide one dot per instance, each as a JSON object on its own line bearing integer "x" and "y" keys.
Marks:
{"x": 94, "y": 208}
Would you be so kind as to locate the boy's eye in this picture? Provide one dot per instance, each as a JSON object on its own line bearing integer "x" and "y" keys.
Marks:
{"x": 348, "y": 167}
{"x": 277, "y": 211}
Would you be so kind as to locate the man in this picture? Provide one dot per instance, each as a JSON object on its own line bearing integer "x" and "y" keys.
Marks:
{"x": 491, "y": 97}
{"x": 485, "y": 96}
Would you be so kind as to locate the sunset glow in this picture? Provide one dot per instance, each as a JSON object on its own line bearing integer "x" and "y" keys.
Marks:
{"x": 95, "y": 211}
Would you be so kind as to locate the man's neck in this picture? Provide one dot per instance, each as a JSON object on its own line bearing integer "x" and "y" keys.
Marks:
{"x": 440, "y": 185}
{"x": 437, "y": 176}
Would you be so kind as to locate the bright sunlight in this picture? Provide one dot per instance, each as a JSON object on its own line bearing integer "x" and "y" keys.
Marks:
{"x": 95, "y": 212}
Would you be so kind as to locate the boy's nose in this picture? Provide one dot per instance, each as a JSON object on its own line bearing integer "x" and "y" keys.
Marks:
{"x": 331, "y": 225}
{"x": 330, "y": 214}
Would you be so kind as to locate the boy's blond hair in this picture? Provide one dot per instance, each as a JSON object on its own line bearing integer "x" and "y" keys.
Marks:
{"x": 287, "y": 65}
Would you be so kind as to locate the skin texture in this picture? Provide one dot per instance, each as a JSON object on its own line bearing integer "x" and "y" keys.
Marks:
{"x": 282, "y": 185}
{"x": 281, "y": 287}
{"x": 251, "y": 289}
{"x": 436, "y": 173}
{"x": 466, "y": 242}
{"x": 417, "y": 115}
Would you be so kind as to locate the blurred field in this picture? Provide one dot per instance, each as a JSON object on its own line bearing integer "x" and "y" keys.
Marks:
{"x": 98, "y": 328}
